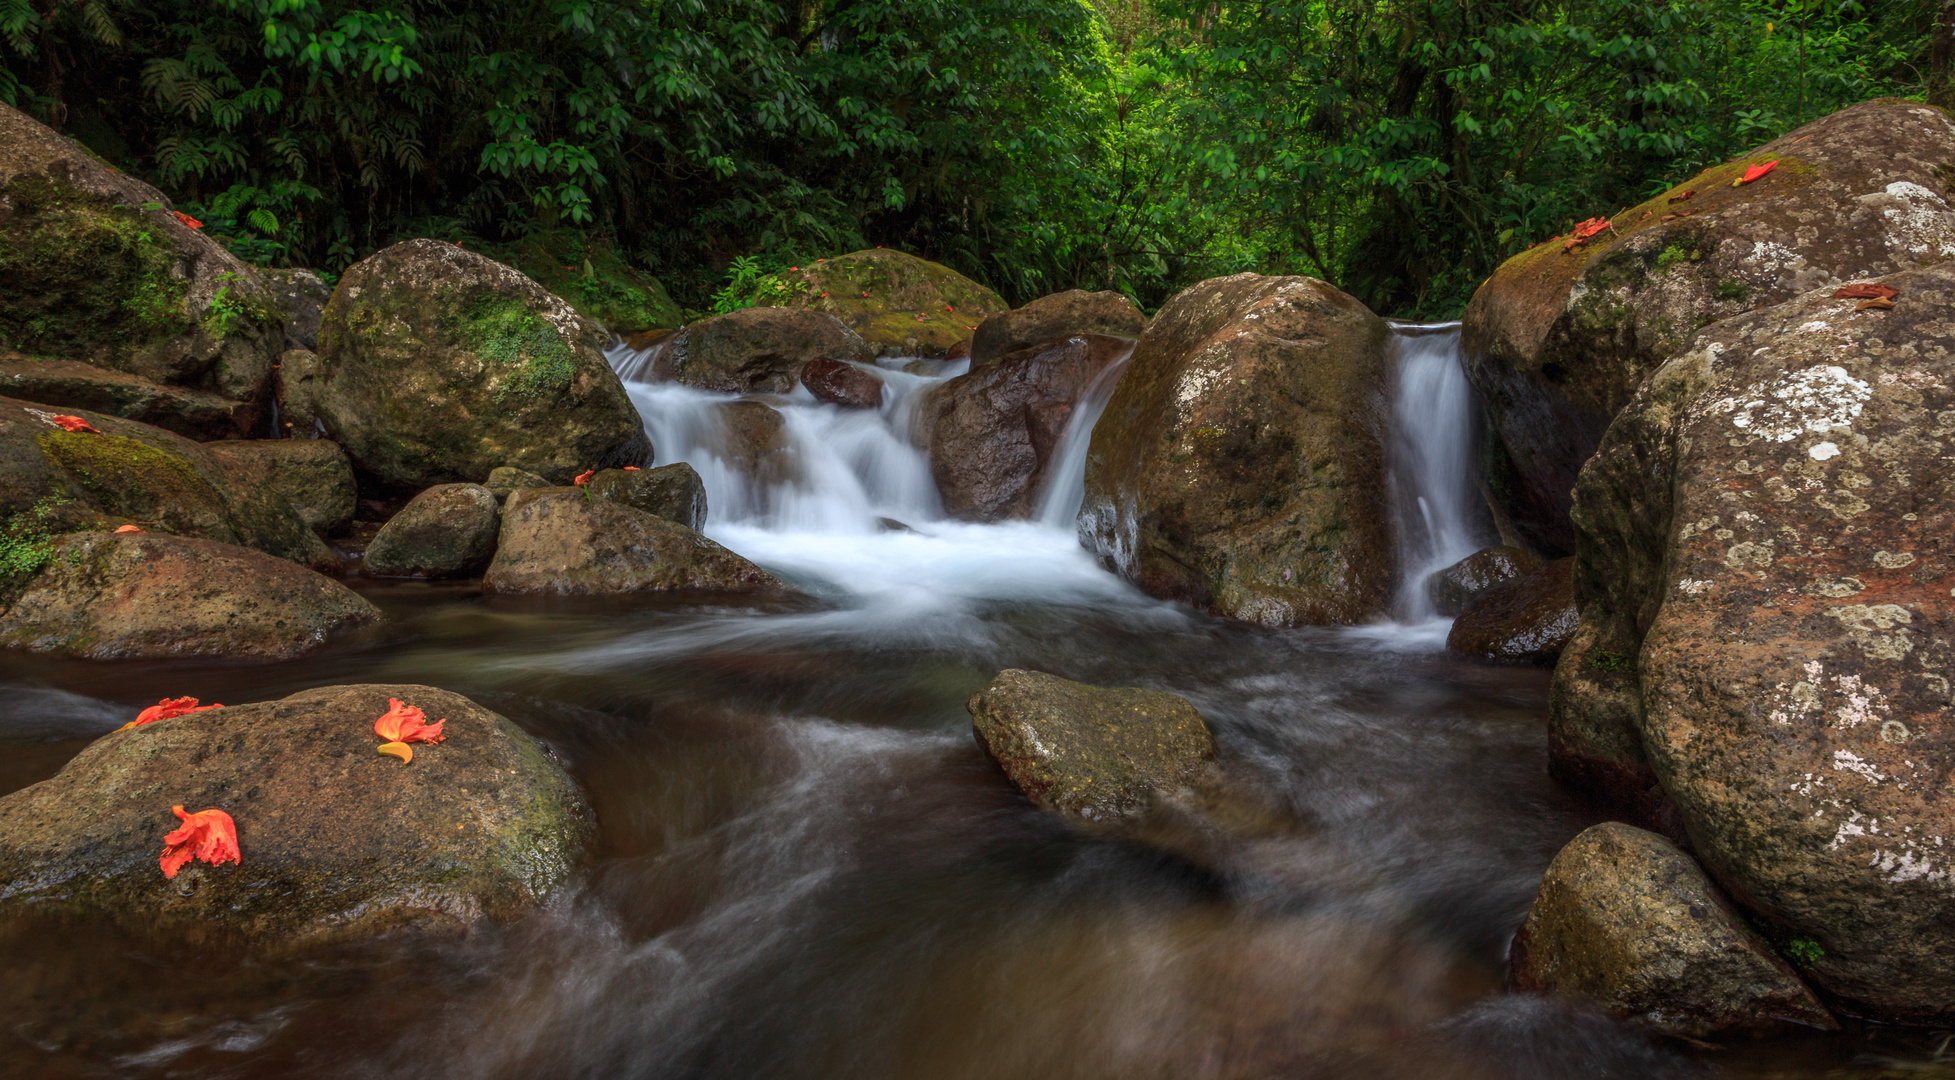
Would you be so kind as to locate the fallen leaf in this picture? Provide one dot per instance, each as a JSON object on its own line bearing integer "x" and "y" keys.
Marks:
{"x": 1878, "y": 303}
{"x": 73, "y": 423}
{"x": 1666, "y": 217}
{"x": 584, "y": 477}
{"x": 209, "y": 835}
{"x": 128, "y": 529}
{"x": 187, "y": 219}
{"x": 1755, "y": 172}
{"x": 406, "y": 723}
{"x": 397, "y": 749}
{"x": 1590, "y": 227}
{"x": 1865, "y": 290}
{"x": 168, "y": 709}
{"x": 632, "y": 468}
{"x": 1687, "y": 194}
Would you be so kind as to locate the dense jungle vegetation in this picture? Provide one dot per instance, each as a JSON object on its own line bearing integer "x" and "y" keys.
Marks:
{"x": 1399, "y": 148}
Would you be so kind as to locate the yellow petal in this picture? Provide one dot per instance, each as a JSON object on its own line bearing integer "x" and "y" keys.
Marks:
{"x": 124, "y": 727}
{"x": 397, "y": 749}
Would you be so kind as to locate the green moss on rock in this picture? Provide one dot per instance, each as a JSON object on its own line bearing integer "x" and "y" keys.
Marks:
{"x": 595, "y": 279}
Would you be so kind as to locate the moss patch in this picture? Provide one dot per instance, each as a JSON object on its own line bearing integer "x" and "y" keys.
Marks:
{"x": 26, "y": 544}
{"x": 527, "y": 357}
{"x": 80, "y": 275}
{"x": 129, "y": 478}
{"x": 595, "y": 279}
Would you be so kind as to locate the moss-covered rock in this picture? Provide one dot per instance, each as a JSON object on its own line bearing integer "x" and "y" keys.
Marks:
{"x": 674, "y": 492}
{"x": 506, "y": 480}
{"x": 753, "y": 350}
{"x": 900, "y": 304}
{"x": 449, "y": 530}
{"x": 437, "y": 364}
{"x": 70, "y": 384}
{"x": 311, "y": 474}
{"x": 1072, "y": 313}
{"x": 336, "y": 842}
{"x": 561, "y": 540}
{"x": 595, "y": 279}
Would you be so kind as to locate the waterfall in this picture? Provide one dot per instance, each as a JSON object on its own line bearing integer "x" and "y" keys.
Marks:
{"x": 1065, "y": 474}
{"x": 1434, "y": 425}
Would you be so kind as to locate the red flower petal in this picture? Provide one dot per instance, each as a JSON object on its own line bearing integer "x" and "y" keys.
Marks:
{"x": 1757, "y": 171}
{"x": 407, "y": 723}
{"x": 128, "y": 529}
{"x": 632, "y": 468}
{"x": 209, "y": 835}
{"x": 187, "y": 219}
{"x": 72, "y": 423}
{"x": 1590, "y": 227}
{"x": 168, "y": 709}
{"x": 585, "y": 477}
{"x": 1866, "y": 290}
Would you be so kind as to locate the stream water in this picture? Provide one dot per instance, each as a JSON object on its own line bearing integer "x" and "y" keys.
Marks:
{"x": 807, "y": 869}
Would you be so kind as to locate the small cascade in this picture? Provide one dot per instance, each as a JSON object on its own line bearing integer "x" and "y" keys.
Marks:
{"x": 1065, "y": 474}
{"x": 1434, "y": 426}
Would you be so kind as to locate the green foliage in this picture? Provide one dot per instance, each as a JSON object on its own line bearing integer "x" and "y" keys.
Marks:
{"x": 1804, "y": 951}
{"x": 26, "y": 544}
{"x": 1732, "y": 289}
{"x": 508, "y": 336}
{"x": 1604, "y": 660}
{"x": 226, "y": 311}
{"x": 746, "y": 285}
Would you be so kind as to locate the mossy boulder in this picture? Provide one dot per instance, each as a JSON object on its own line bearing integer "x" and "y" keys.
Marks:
{"x": 336, "y": 842}
{"x": 1240, "y": 465}
{"x": 900, "y": 304}
{"x": 506, "y": 480}
{"x": 1558, "y": 340}
{"x": 562, "y": 540}
{"x": 449, "y": 530}
{"x": 753, "y": 350}
{"x": 70, "y": 384}
{"x": 104, "y": 596}
{"x": 593, "y": 277}
{"x": 311, "y": 474}
{"x": 674, "y": 492}
{"x": 1072, "y": 313}
{"x": 94, "y": 267}
{"x": 437, "y": 364}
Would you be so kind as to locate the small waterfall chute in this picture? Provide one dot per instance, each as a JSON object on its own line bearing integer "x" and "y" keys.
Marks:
{"x": 1435, "y": 426}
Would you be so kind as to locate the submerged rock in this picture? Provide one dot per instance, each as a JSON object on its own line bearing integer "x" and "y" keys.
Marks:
{"x": 336, "y": 841}
{"x": 1240, "y": 465}
{"x": 437, "y": 364}
{"x": 1086, "y": 751}
{"x": 674, "y": 492}
{"x": 753, "y": 437}
{"x": 1451, "y": 589}
{"x": 755, "y": 350}
{"x": 108, "y": 597}
{"x": 311, "y": 474}
{"x": 912, "y": 307}
{"x": 1073, "y": 313}
{"x": 842, "y": 384}
{"x": 1556, "y": 342}
{"x": 561, "y": 540}
{"x": 1525, "y": 620}
{"x": 449, "y": 530}
{"x": 69, "y": 384}
{"x": 1627, "y": 921}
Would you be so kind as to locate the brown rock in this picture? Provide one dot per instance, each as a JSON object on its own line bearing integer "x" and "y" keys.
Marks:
{"x": 507, "y": 479}
{"x": 560, "y": 540}
{"x": 103, "y": 597}
{"x": 301, "y": 295}
{"x": 754, "y": 437}
{"x": 674, "y": 492}
{"x": 842, "y": 384}
{"x": 755, "y": 350}
{"x": 1240, "y": 465}
{"x": 449, "y": 530}
{"x": 1557, "y": 342}
{"x": 312, "y": 474}
{"x": 1073, "y": 313}
{"x": 1527, "y": 620}
{"x": 68, "y": 384}
{"x": 1451, "y": 589}
{"x": 912, "y": 307}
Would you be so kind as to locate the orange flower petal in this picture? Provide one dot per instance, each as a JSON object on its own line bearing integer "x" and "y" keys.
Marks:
{"x": 187, "y": 219}
{"x": 397, "y": 749}
{"x": 407, "y": 723}
{"x": 585, "y": 477}
{"x": 1590, "y": 227}
{"x": 632, "y": 468}
{"x": 127, "y": 529}
{"x": 73, "y": 423}
{"x": 209, "y": 835}
{"x": 1757, "y": 171}
{"x": 167, "y": 709}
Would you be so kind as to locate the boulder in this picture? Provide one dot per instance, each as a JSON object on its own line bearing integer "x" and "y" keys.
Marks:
{"x": 449, "y": 530}
{"x": 301, "y": 296}
{"x": 1556, "y": 341}
{"x": 437, "y": 364}
{"x": 753, "y": 436}
{"x": 561, "y": 540}
{"x": 674, "y": 492}
{"x": 842, "y": 384}
{"x": 336, "y": 842}
{"x": 131, "y": 473}
{"x": 1451, "y": 589}
{"x": 900, "y": 304}
{"x": 313, "y": 475}
{"x": 95, "y": 267}
{"x": 1626, "y": 921}
{"x": 993, "y": 431}
{"x": 1763, "y": 577}
{"x": 754, "y": 350}
{"x": 1073, "y": 313}
{"x": 1526, "y": 620}
{"x": 1240, "y": 465}
{"x": 70, "y": 384}
{"x": 508, "y": 479}
{"x": 1090, "y": 752}
{"x": 105, "y": 596}
{"x": 593, "y": 277}
{"x": 297, "y": 381}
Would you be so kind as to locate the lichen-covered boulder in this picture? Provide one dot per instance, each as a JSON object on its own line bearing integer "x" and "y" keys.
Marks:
{"x": 95, "y": 267}
{"x": 753, "y": 350}
{"x": 1627, "y": 921}
{"x": 594, "y": 278}
{"x": 301, "y": 297}
{"x": 1073, "y": 313}
{"x": 1525, "y": 620}
{"x": 561, "y": 540}
{"x": 508, "y": 479}
{"x": 1451, "y": 589}
{"x": 103, "y": 596}
{"x": 336, "y": 842}
{"x": 1091, "y": 752}
{"x": 1240, "y": 465}
{"x": 1557, "y": 340}
{"x": 1764, "y": 578}
{"x": 674, "y": 492}
{"x": 993, "y": 431}
{"x": 312, "y": 474}
{"x": 449, "y": 530}
{"x": 900, "y": 304}
{"x": 437, "y": 364}
{"x": 70, "y": 384}
{"x": 842, "y": 384}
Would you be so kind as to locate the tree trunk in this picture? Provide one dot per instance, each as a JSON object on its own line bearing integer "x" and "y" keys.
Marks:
{"x": 1941, "y": 56}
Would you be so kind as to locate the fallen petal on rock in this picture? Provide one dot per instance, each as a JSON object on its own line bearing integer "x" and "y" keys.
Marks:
{"x": 397, "y": 749}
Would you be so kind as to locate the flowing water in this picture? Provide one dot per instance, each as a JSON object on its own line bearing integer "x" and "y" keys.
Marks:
{"x": 807, "y": 869}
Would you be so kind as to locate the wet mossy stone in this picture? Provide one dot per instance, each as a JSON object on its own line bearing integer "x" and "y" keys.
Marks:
{"x": 1526, "y": 619}
{"x": 312, "y": 474}
{"x": 337, "y": 842}
{"x": 1072, "y": 313}
{"x": 595, "y": 279}
{"x": 913, "y": 307}
{"x": 95, "y": 268}
{"x": 437, "y": 364}
{"x": 674, "y": 492}
{"x": 449, "y": 530}
{"x": 756, "y": 350}
{"x": 70, "y": 384}
{"x": 563, "y": 540}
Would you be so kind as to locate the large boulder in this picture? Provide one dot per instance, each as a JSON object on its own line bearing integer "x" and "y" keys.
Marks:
{"x": 1627, "y": 921}
{"x": 594, "y": 277}
{"x": 1557, "y": 340}
{"x": 437, "y": 364}
{"x": 561, "y": 540}
{"x": 1240, "y": 465}
{"x": 900, "y": 304}
{"x": 1072, "y": 313}
{"x": 103, "y": 596}
{"x": 761, "y": 349}
{"x": 95, "y": 267}
{"x": 336, "y": 842}
{"x": 993, "y": 431}
{"x": 1525, "y": 620}
{"x": 1451, "y": 589}
{"x": 312, "y": 474}
{"x": 674, "y": 492}
{"x": 1763, "y": 575}
{"x": 449, "y": 530}
{"x": 1091, "y": 752}
{"x": 131, "y": 473}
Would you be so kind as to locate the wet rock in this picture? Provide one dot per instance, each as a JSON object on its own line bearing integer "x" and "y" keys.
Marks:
{"x": 674, "y": 492}
{"x": 449, "y": 530}
{"x": 1087, "y": 751}
{"x": 336, "y": 841}
{"x": 755, "y": 350}
{"x": 560, "y": 540}
{"x": 1627, "y": 921}
{"x": 312, "y": 475}
{"x": 69, "y": 384}
{"x": 1240, "y": 465}
{"x": 1763, "y": 576}
{"x": 1557, "y": 342}
{"x": 437, "y": 364}
{"x": 88, "y": 274}
{"x": 301, "y": 295}
{"x": 1073, "y": 313}
{"x": 913, "y": 307}
{"x": 102, "y": 596}
{"x": 993, "y": 431}
{"x": 507, "y": 479}
{"x": 842, "y": 384}
{"x": 1526, "y": 620}
{"x": 1451, "y": 589}
{"x": 753, "y": 436}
